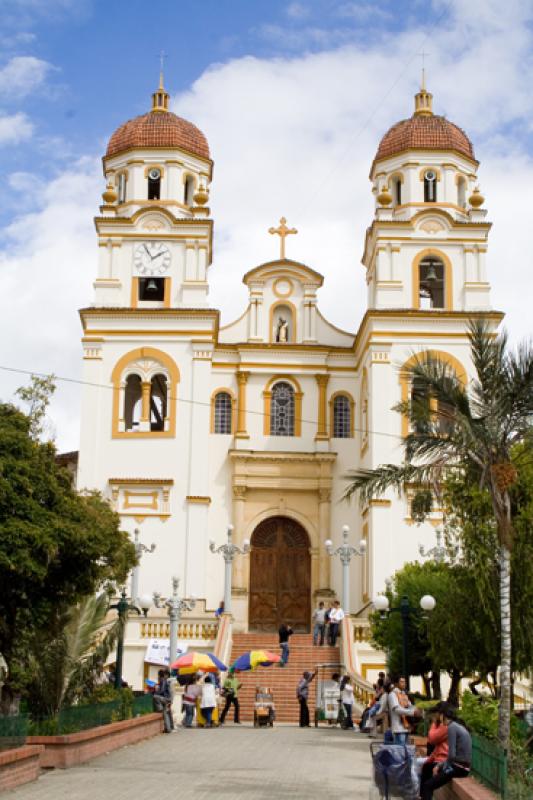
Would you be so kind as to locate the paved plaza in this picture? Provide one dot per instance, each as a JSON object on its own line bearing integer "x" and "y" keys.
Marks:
{"x": 234, "y": 761}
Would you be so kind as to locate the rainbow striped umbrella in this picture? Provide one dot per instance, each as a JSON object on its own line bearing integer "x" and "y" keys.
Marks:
{"x": 193, "y": 662}
{"x": 255, "y": 658}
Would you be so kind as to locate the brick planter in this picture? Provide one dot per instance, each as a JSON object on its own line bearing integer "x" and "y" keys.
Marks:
{"x": 464, "y": 789}
{"x": 75, "y": 748}
{"x": 20, "y": 765}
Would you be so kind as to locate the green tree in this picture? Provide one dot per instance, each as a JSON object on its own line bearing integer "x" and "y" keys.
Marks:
{"x": 56, "y": 546}
{"x": 472, "y": 429}
{"x": 37, "y": 396}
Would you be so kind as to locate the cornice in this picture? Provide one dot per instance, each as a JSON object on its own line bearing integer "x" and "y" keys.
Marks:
{"x": 281, "y": 455}
{"x": 141, "y": 481}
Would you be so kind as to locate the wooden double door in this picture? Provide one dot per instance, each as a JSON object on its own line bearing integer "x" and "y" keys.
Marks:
{"x": 280, "y": 576}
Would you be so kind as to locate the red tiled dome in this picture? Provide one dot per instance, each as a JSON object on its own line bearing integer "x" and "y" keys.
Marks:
{"x": 158, "y": 129}
{"x": 424, "y": 133}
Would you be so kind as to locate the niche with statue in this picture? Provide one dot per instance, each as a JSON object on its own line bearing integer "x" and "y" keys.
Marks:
{"x": 283, "y": 325}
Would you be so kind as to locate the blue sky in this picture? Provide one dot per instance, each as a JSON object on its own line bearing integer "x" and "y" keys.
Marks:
{"x": 100, "y": 59}
{"x": 293, "y": 98}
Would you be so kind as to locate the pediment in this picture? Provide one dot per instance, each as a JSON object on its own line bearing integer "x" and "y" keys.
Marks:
{"x": 153, "y": 221}
{"x": 283, "y": 269}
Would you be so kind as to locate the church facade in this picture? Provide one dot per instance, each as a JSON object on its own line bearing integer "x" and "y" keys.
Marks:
{"x": 191, "y": 424}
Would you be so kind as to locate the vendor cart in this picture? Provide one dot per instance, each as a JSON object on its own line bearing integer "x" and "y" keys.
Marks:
{"x": 327, "y": 703}
{"x": 264, "y": 708}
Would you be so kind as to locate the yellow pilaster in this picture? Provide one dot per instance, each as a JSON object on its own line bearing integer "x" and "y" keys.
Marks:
{"x": 242, "y": 380}
{"x": 322, "y": 423}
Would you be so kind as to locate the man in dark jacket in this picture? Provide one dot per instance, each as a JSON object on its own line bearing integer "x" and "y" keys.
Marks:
{"x": 284, "y": 632}
{"x": 302, "y": 694}
{"x": 163, "y": 699}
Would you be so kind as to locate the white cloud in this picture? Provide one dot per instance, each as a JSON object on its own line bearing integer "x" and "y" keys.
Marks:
{"x": 14, "y": 128}
{"x": 23, "y": 75}
{"x": 291, "y": 136}
{"x": 297, "y": 11}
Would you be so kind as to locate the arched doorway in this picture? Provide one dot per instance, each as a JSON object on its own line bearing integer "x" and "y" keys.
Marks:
{"x": 280, "y": 576}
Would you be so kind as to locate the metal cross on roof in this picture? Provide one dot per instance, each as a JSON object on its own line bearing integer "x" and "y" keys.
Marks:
{"x": 282, "y": 232}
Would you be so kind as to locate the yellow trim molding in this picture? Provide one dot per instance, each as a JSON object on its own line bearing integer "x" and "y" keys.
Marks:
{"x": 448, "y": 279}
{"x": 116, "y": 379}
{"x": 276, "y": 290}
{"x": 196, "y": 499}
{"x": 364, "y": 412}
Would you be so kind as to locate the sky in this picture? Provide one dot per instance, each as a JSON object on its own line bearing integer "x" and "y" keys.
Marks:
{"x": 293, "y": 98}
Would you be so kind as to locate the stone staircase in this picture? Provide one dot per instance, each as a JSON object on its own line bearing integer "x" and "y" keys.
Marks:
{"x": 283, "y": 682}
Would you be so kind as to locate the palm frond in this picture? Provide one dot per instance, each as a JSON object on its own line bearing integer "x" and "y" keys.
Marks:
{"x": 81, "y": 632}
{"x": 372, "y": 483}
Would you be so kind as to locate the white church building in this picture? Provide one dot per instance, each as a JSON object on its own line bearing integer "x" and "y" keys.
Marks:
{"x": 191, "y": 422}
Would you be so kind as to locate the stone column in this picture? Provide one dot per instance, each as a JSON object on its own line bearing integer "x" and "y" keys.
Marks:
{"x": 324, "y": 522}
{"x": 146, "y": 387}
{"x": 239, "y": 581}
{"x": 242, "y": 380}
{"x": 322, "y": 422}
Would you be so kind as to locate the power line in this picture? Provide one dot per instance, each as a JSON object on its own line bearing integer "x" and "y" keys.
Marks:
{"x": 184, "y": 400}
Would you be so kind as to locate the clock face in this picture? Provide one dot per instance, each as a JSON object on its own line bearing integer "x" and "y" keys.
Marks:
{"x": 151, "y": 258}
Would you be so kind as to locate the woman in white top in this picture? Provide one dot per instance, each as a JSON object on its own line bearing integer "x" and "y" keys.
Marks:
{"x": 347, "y": 700}
{"x": 209, "y": 700}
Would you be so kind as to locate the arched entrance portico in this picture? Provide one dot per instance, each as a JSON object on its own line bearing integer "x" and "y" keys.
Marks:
{"x": 280, "y": 576}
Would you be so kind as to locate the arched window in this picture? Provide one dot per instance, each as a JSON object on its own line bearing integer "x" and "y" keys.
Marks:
{"x": 430, "y": 186}
{"x": 158, "y": 402}
{"x": 223, "y": 412}
{"x": 145, "y": 387}
{"x": 132, "y": 402}
{"x": 342, "y": 417}
{"x": 431, "y": 292}
{"x": 189, "y": 190}
{"x": 282, "y": 410}
{"x": 154, "y": 184}
{"x": 461, "y": 192}
{"x": 397, "y": 191}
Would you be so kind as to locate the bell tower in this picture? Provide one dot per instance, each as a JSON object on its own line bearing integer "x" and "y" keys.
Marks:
{"x": 154, "y": 231}
{"x": 427, "y": 244}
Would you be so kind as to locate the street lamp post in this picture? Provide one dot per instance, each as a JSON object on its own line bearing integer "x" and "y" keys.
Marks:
{"x": 175, "y": 607}
{"x": 405, "y": 610}
{"x": 346, "y": 552}
{"x": 229, "y": 551}
{"x": 139, "y": 550}
{"x": 437, "y": 553}
{"x": 123, "y": 606}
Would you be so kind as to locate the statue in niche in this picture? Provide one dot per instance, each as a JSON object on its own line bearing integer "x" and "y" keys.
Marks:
{"x": 282, "y": 330}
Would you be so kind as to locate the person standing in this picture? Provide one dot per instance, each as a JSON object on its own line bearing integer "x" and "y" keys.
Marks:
{"x": 347, "y": 699}
{"x": 319, "y": 624}
{"x": 163, "y": 700}
{"x": 192, "y": 692}
{"x": 302, "y": 693}
{"x": 284, "y": 633}
{"x": 336, "y": 616}
{"x": 459, "y": 760}
{"x": 231, "y": 688}
{"x": 208, "y": 700}
{"x": 400, "y": 710}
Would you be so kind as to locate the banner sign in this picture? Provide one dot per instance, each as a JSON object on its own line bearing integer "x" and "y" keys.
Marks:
{"x": 158, "y": 650}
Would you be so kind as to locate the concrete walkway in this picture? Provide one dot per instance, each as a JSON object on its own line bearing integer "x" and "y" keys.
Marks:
{"x": 230, "y": 762}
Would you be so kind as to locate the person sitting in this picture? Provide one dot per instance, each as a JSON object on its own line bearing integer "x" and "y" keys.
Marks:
{"x": 220, "y": 610}
{"x": 459, "y": 760}
{"x": 437, "y": 741}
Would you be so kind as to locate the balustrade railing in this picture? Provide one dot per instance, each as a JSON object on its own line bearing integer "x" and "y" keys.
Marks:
{"x": 206, "y": 631}
{"x": 363, "y": 689}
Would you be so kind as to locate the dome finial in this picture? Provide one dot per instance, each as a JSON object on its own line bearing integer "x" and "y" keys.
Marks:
{"x": 161, "y": 97}
{"x": 423, "y": 98}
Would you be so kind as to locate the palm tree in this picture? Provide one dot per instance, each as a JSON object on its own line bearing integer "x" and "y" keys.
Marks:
{"x": 62, "y": 663}
{"x": 472, "y": 428}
